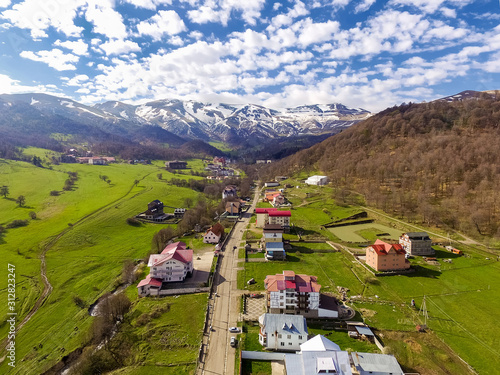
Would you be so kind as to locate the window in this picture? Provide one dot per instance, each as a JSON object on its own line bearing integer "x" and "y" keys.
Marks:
{"x": 289, "y": 337}
{"x": 279, "y": 336}
{"x": 282, "y": 343}
{"x": 290, "y": 344}
{"x": 300, "y": 337}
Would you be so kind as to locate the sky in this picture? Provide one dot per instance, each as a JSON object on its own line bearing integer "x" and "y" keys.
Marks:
{"x": 369, "y": 54}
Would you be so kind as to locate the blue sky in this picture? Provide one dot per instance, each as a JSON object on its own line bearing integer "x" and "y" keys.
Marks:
{"x": 362, "y": 53}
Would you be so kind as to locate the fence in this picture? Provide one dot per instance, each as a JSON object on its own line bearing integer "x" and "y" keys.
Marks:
{"x": 262, "y": 356}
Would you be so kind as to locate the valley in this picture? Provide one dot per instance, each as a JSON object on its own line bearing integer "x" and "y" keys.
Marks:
{"x": 85, "y": 241}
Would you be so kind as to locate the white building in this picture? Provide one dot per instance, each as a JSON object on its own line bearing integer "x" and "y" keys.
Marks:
{"x": 318, "y": 356}
{"x": 214, "y": 234}
{"x": 174, "y": 263}
{"x": 282, "y": 332}
{"x": 317, "y": 180}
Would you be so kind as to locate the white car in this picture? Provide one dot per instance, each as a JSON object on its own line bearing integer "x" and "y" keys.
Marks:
{"x": 233, "y": 342}
{"x": 234, "y": 329}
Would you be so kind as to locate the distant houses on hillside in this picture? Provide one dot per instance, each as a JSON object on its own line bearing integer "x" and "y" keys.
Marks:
{"x": 155, "y": 212}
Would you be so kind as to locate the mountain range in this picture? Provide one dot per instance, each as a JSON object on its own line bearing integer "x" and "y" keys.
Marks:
{"x": 172, "y": 121}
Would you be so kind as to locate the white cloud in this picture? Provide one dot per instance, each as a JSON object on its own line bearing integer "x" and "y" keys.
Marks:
{"x": 78, "y": 80}
{"x": 313, "y": 33}
{"x": 448, "y": 12}
{"x": 78, "y": 47}
{"x": 364, "y": 5}
{"x": 105, "y": 19}
{"x": 176, "y": 41}
{"x": 165, "y": 22}
{"x": 148, "y": 4}
{"x": 298, "y": 10}
{"x": 12, "y": 86}
{"x": 219, "y": 11}
{"x": 429, "y": 6}
{"x": 4, "y": 3}
{"x": 119, "y": 47}
{"x": 55, "y": 58}
{"x": 37, "y": 16}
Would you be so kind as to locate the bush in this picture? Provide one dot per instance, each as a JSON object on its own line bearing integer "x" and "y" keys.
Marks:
{"x": 32, "y": 215}
{"x": 17, "y": 223}
{"x": 143, "y": 319}
{"x": 55, "y": 193}
{"x": 79, "y": 302}
{"x": 372, "y": 280}
{"x": 133, "y": 221}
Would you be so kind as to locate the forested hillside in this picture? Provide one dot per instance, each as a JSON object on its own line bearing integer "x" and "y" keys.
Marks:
{"x": 438, "y": 163}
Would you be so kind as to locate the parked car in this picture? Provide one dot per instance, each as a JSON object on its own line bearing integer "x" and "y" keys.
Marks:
{"x": 233, "y": 342}
{"x": 234, "y": 329}
{"x": 255, "y": 295}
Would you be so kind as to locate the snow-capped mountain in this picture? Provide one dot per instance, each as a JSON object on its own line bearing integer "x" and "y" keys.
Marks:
{"x": 218, "y": 121}
{"x": 183, "y": 118}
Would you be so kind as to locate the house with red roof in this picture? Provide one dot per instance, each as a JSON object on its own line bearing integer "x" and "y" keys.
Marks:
{"x": 382, "y": 256}
{"x": 263, "y": 216}
{"x": 149, "y": 286}
{"x": 173, "y": 264}
{"x": 280, "y": 217}
{"x": 288, "y": 293}
{"x": 214, "y": 234}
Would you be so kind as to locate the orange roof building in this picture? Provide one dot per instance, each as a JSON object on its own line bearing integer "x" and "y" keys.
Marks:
{"x": 382, "y": 256}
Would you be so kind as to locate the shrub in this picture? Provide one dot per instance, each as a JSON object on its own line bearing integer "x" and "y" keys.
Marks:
{"x": 372, "y": 280}
{"x": 79, "y": 302}
{"x": 133, "y": 221}
{"x": 17, "y": 223}
{"x": 143, "y": 319}
{"x": 54, "y": 193}
{"x": 32, "y": 215}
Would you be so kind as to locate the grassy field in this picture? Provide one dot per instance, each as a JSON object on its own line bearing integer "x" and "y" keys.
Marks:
{"x": 86, "y": 239}
{"x": 462, "y": 297}
{"x": 365, "y": 232}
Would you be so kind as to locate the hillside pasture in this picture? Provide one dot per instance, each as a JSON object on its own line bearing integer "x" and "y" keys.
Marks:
{"x": 86, "y": 239}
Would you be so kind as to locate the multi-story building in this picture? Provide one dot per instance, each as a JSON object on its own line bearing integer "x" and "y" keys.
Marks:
{"x": 280, "y": 217}
{"x": 263, "y": 216}
{"x": 173, "y": 264}
{"x": 289, "y": 293}
{"x": 382, "y": 256}
{"x": 417, "y": 243}
{"x": 282, "y": 332}
{"x": 272, "y": 242}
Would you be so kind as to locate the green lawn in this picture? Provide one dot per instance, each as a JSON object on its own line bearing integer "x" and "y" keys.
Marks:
{"x": 88, "y": 256}
{"x": 365, "y": 232}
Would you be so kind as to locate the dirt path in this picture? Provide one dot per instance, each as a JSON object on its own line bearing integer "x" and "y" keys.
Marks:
{"x": 47, "y": 286}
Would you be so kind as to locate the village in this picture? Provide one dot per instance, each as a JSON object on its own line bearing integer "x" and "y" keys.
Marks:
{"x": 289, "y": 300}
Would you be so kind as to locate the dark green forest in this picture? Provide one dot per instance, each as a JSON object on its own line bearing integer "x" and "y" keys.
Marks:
{"x": 436, "y": 163}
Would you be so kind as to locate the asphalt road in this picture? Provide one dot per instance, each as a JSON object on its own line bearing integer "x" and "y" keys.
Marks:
{"x": 219, "y": 358}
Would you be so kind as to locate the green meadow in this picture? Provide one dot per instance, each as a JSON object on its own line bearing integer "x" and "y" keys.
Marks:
{"x": 86, "y": 240}
{"x": 462, "y": 296}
